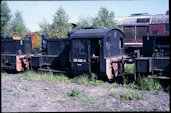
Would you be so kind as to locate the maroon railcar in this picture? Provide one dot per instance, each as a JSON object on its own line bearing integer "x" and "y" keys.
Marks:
{"x": 138, "y": 25}
{"x": 159, "y": 25}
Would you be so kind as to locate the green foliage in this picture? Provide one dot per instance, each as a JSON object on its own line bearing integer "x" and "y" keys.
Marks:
{"x": 104, "y": 19}
{"x": 5, "y": 17}
{"x": 129, "y": 69}
{"x": 84, "y": 22}
{"x": 81, "y": 79}
{"x": 74, "y": 93}
{"x": 44, "y": 27}
{"x": 168, "y": 88}
{"x": 147, "y": 83}
{"x": 47, "y": 76}
{"x": 17, "y": 26}
{"x": 115, "y": 85}
{"x": 60, "y": 24}
{"x": 88, "y": 99}
{"x": 3, "y": 73}
{"x": 87, "y": 80}
{"x": 130, "y": 85}
{"x": 126, "y": 84}
{"x": 128, "y": 95}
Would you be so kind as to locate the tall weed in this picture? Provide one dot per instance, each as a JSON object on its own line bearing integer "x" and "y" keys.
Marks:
{"x": 129, "y": 69}
{"x": 147, "y": 83}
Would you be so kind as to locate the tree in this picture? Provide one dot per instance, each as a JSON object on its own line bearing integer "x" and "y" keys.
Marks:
{"x": 104, "y": 19}
{"x": 44, "y": 26}
{"x": 60, "y": 26}
{"x": 17, "y": 26}
{"x": 84, "y": 22}
{"x": 5, "y": 17}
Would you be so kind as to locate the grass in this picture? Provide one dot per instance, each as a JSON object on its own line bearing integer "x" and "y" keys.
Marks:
{"x": 87, "y": 80}
{"x": 113, "y": 85}
{"x": 3, "y": 73}
{"x": 76, "y": 94}
{"x": 147, "y": 83}
{"x": 73, "y": 93}
{"x": 47, "y": 76}
{"x": 128, "y": 95}
{"x": 34, "y": 105}
{"x": 129, "y": 69}
{"x": 88, "y": 99}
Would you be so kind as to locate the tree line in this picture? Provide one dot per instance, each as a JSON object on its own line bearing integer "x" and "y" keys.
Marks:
{"x": 14, "y": 25}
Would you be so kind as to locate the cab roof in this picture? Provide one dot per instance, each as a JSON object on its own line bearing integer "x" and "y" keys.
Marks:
{"x": 91, "y": 33}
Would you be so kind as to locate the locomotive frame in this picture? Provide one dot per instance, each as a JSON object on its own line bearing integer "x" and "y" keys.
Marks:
{"x": 156, "y": 57}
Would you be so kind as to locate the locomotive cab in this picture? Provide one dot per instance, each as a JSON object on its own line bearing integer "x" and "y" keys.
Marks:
{"x": 97, "y": 51}
{"x": 86, "y": 55}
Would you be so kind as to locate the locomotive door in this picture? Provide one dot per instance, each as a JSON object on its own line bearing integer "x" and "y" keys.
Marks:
{"x": 95, "y": 55}
{"x": 80, "y": 55}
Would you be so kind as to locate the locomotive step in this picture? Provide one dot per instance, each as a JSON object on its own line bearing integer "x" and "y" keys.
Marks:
{"x": 52, "y": 70}
{"x": 5, "y": 66}
{"x": 47, "y": 64}
{"x": 159, "y": 77}
{"x": 159, "y": 70}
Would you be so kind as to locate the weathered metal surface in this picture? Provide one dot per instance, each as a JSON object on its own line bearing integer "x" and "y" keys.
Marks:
{"x": 22, "y": 62}
{"x": 112, "y": 64}
{"x": 90, "y": 33}
{"x": 156, "y": 57}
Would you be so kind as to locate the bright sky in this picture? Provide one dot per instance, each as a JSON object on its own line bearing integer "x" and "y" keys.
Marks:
{"x": 33, "y": 12}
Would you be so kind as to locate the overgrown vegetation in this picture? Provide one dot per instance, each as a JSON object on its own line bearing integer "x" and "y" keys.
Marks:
{"x": 3, "y": 73}
{"x": 147, "y": 83}
{"x": 129, "y": 69}
{"x": 47, "y": 76}
{"x": 128, "y": 95}
{"x": 87, "y": 80}
{"x": 73, "y": 93}
{"x": 77, "y": 94}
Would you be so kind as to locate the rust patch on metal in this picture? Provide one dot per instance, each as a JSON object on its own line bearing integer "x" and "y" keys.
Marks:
{"x": 22, "y": 63}
{"x": 112, "y": 64}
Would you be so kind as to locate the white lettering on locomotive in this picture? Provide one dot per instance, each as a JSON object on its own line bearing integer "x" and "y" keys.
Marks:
{"x": 79, "y": 60}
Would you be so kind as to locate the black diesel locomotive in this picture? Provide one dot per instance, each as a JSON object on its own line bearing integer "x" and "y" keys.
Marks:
{"x": 84, "y": 51}
{"x": 99, "y": 51}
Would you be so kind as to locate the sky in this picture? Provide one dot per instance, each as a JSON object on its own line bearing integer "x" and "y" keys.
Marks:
{"x": 33, "y": 12}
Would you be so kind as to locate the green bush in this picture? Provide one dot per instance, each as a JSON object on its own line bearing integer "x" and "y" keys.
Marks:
{"x": 73, "y": 93}
{"x": 147, "y": 83}
{"x": 126, "y": 84}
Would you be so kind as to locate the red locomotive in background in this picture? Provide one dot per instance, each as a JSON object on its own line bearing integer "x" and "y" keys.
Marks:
{"x": 138, "y": 25}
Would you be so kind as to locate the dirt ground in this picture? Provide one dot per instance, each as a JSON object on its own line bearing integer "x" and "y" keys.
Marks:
{"x": 20, "y": 95}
